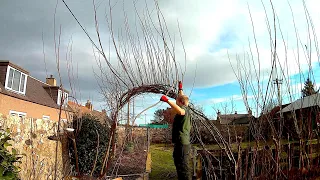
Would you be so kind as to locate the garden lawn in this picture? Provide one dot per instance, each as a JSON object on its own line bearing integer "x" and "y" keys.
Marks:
{"x": 162, "y": 166}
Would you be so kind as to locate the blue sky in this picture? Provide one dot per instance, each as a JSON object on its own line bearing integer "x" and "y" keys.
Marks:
{"x": 224, "y": 41}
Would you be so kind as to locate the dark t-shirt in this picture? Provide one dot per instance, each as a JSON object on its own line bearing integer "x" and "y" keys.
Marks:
{"x": 181, "y": 128}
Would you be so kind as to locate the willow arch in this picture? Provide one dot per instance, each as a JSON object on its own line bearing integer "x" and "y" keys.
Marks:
{"x": 149, "y": 65}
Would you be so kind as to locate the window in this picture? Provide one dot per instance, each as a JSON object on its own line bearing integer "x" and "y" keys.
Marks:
{"x": 16, "y": 80}
{"x": 64, "y": 98}
{"x": 18, "y": 114}
{"x": 47, "y": 118}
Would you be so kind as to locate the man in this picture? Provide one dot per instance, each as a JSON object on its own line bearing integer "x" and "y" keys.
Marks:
{"x": 181, "y": 134}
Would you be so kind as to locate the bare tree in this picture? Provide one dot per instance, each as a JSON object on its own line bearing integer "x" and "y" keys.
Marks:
{"x": 278, "y": 84}
{"x": 144, "y": 61}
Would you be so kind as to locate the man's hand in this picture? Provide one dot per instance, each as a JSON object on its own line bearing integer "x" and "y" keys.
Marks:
{"x": 164, "y": 98}
{"x": 180, "y": 92}
{"x": 180, "y": 85}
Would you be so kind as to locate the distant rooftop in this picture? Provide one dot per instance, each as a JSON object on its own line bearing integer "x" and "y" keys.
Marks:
{"x": 309, "y": 101}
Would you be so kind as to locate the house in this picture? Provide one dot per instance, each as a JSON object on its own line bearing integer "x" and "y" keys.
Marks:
{"x": 303, "y": 103}
{"x": 305, "y": 113}
{"x": 25, "y": 96}
{"x": 80, "y": 110}
{"x": 234, "y": 119}
{"x": 295, "y": 119}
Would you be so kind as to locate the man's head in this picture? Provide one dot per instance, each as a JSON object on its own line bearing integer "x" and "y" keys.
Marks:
{"x": 182, "y": 100}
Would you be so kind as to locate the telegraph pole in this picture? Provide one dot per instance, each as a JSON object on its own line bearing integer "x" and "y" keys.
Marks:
{"x": 278, "y": 83}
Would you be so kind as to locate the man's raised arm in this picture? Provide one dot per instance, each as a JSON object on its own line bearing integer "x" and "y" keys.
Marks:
{"x": 174, "y": 106}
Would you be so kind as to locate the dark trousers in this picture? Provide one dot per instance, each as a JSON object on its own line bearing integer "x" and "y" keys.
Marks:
{"x": 181, "y": 157}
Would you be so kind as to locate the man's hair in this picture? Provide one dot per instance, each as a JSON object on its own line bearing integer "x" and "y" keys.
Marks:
{"x": 183, "y": 99}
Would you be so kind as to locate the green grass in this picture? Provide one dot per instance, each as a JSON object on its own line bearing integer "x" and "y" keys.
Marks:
{"x": 162, "y": 163}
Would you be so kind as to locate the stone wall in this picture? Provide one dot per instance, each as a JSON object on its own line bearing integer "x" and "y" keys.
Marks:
{"x": 30, "y": 137}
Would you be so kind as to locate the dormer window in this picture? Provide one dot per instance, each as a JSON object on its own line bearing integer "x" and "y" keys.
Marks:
{"x": 62, "y": 97}
{"x": 16, "y": 80}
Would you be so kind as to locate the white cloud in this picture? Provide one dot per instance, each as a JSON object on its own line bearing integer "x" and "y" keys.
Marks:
{"x": 203, "y": 23}
{"x": 227, "y": 99}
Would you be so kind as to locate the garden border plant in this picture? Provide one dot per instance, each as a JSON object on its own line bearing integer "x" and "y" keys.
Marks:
{"x": 9, "y": 169}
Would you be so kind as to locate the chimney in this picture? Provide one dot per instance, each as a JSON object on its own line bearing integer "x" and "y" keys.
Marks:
{"x": 51, "y": 81}
{"x": 218, "y": 114}
{"x": 235, "y": 112}
{"x": 89, "y": 105}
